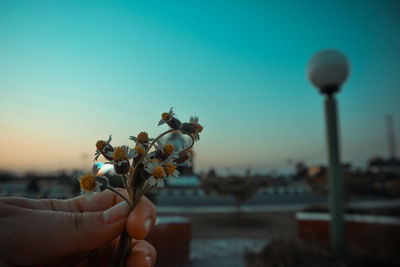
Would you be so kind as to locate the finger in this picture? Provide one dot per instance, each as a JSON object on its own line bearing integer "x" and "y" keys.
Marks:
{"x": 100, "y": 201}
{"x": 141, "y": 219}
{"x": 50, "y": 235}
{"x": 142, "y": 254}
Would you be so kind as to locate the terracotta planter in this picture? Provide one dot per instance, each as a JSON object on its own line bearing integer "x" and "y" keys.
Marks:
{"x": 368, "y": 232}
{"x": 171, "y": 238}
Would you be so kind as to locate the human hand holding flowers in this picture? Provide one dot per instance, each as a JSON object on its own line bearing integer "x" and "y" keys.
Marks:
{"x": 66, "y": 232}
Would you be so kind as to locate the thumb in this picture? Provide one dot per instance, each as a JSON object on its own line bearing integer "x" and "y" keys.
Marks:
{"x": 61, "y": 234}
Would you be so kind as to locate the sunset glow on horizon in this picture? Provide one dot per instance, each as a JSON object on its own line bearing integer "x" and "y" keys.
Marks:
{"x": 73, "y": 72}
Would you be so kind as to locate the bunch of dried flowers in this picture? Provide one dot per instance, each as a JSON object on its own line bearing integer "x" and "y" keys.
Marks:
{"x": 142, "y": 167}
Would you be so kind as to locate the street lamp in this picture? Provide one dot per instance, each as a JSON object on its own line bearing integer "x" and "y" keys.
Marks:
{"x": 328, "y": 70}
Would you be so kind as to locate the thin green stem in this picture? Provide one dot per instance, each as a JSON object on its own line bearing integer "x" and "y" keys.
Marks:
{"x": 124, "y": 181}
{"x": 145, "y": 191}
{"x": 121, "y": 195}
{"x": 186, "y": 149}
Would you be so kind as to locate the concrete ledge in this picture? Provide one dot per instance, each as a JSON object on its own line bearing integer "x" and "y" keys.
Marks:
{"x": 361, "y": 218}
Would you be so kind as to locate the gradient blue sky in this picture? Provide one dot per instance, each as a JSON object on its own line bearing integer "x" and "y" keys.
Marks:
{"x": 72, "y": 72}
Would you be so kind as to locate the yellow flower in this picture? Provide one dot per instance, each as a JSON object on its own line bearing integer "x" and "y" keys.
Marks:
{"x": 100, "y": 144}
{"x": 104, "y": 148}
{"x": 89, "y": 184}
{"x": 157, "y": 173}
{"x": 171, "y": 171}
{"x": 141, "y": 138}
{"x": 120, "y": 154}
{"x": 166, "y": 116}
{"x": 169, "y": 149}
{"x": 139, "y": 149}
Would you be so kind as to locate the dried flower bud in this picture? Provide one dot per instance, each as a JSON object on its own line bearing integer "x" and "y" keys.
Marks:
{"x": 143, "y": 138}
{"x": 199, "y": 128}
{"x": 104, "y": 148}
{"x": 139, "y": 149}
{"x": 192, "y": 128}
{"x": 174, "y": 123}
{"x": 121, "y": 162}
{"x": 169, "y": 149}
{"x": 120, "y": 154}
{"x": 188, "y": 128}
{"x": 166, "y": 116}
{"x": 184, "y": 156}
{"x": 140, "y": 176}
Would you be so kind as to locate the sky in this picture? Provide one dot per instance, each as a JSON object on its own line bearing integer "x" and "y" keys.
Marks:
{"x": 73, "y": 72}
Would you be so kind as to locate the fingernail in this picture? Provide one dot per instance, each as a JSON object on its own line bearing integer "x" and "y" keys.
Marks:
{"x": 148, "y": 259}
{"x": 116, "y": 212}
{"x": 147, "y": 223}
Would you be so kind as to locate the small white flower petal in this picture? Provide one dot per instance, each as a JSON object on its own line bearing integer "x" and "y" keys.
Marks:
{"x": 160, "y": 183}
{"x": 171, "y": 113}
{"x": 132, "y": 153}
{"x": 151, "y": 180}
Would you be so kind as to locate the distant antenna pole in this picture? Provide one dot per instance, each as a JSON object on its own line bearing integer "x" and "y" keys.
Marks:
{"x": 391, "y": 139}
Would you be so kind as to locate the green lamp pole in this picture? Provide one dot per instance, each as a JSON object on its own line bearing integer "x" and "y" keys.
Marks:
{"x": 328, "y": 70}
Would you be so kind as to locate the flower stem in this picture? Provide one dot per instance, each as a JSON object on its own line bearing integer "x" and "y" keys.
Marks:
{"x": 124, "y": 181}
{"x": 146, "y": 190}
{"x": 122, "y": 250}
{"x": 124, "y": 246}
{"x": 186, "y": 149}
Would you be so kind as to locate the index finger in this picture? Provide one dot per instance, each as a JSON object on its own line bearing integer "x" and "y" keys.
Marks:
{"x": 100, "y": 201}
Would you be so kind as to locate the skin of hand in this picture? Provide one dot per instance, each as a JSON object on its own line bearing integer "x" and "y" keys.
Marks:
{"x": 75, "y": 231}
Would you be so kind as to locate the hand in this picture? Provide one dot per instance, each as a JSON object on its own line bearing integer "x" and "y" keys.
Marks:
{"x": 66, "y": 232}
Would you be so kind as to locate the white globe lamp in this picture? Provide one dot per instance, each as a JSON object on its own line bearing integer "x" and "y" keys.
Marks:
{"x": 328, "y": 70}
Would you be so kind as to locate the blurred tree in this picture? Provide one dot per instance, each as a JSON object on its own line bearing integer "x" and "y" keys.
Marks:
{"x": 241, "y": 189}
{"x": 301, "y": 171}
{"x": 356, "y": 183}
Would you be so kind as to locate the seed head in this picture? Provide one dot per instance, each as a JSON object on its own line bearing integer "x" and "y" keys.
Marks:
{"x": 170, "y": 169}
{"x": 143, "y": 138}
{"x": 199, "y": 128}
{"x": 88, "y": 182}
{"x": 165, "y": 116}
{"x": 139, "y": 149}
{"x": 120, "y": 154}
{"x": 100, "y": 144}
{"x": 169, "y": 149}
{"x": 158, "y": 172}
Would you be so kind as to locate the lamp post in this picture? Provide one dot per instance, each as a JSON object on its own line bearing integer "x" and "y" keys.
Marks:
{"x": 328, "y": 70}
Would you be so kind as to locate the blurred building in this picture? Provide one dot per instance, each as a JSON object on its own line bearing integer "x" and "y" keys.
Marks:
{"x": 59, "y": 185}
{"x": 379, "y": 165}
